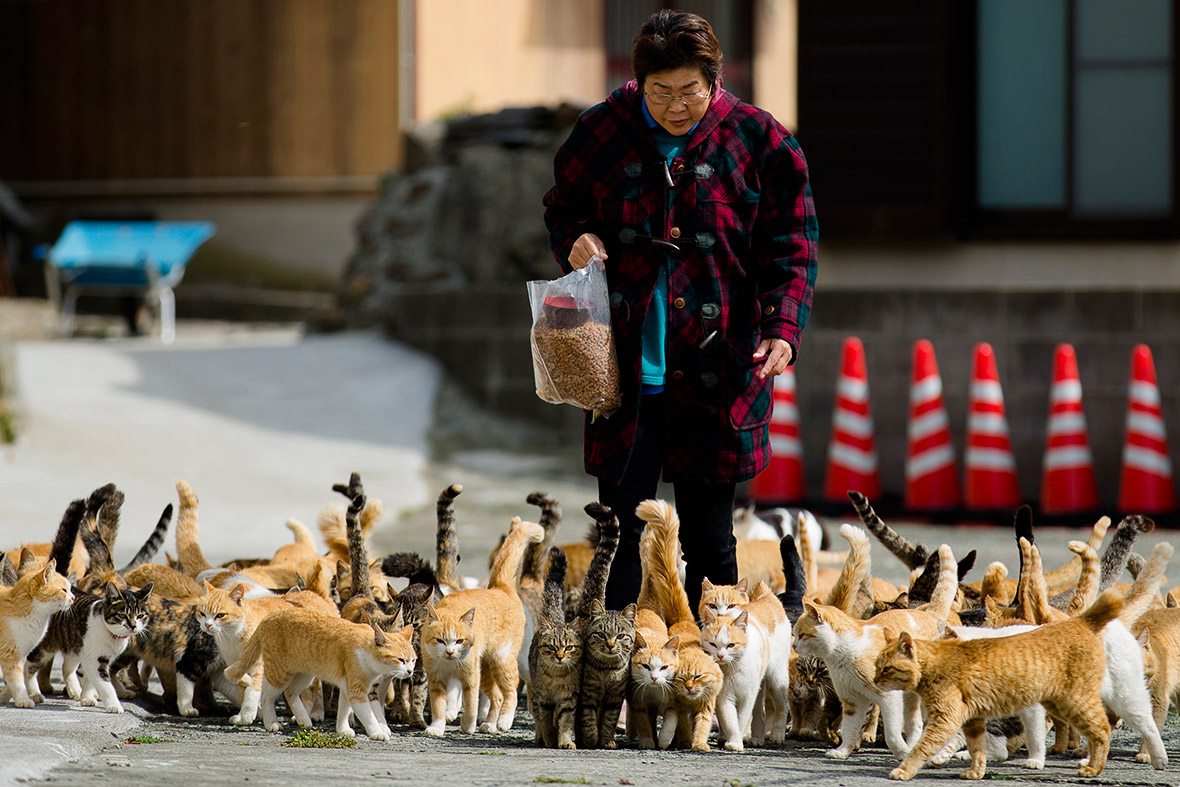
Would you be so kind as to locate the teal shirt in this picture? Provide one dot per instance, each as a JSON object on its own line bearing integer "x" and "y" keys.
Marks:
{"x": 653, "y": 365}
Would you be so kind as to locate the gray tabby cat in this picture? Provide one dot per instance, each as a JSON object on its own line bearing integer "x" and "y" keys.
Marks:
{"x": 555, "y": 664}
{"x": 90, "y": 634}
{"x": 608, "y": 639}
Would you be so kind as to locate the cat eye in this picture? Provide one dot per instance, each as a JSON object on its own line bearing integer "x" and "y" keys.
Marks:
{"x": 219, "y": 615}
{"x": 439, "y": 641}
{"x": 646, "y": 666}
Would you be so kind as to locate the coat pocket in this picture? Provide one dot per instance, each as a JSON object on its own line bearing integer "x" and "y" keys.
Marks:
{"x": 749, "y": 395}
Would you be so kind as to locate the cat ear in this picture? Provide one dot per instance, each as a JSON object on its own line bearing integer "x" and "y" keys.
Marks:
{"x": 399, "y": 620}
{"x": 905, "y": 644}
{"x": 673, "y": 644}
{"x": 903, "y": 599}
{"x": 742, "y": 620}
{"x": 237, "y": 593}
{"x": 629, "y": 612}
{"x": 111, "y": 591}
{"x": 407, "y": 632}
{"x": 1171, "y": 601}
{"x": 72, "y": 578}
{"x": 208, "y": 586}
{"x": 597, "y": 609}
{"x": 1144, "y": 639}
{"x": 744, "y": 587}
{"x": 815, "y": 611}
{"x": 640, "y": 642}
{"x": 47, "y": 572}
{"x": 378, "y": 636}
{"x": 145, "y": 592}
{"x": 706, "y": 585}
{"x": 468, "y": 617}
{"x": 431, "y": 615}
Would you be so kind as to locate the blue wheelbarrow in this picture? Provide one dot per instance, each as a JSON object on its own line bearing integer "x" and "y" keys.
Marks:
{"x": 143, "y": 258}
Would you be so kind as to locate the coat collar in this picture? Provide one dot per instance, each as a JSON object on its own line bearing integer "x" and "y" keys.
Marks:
{"x": 627, "y": 103}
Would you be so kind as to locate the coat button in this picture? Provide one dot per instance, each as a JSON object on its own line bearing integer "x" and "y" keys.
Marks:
{"x": 768, "y": 310}
{"x": 615, "y": 300}
{"x": 675, "y": 232}
{"x": 678, "y": 303}
{"x": 582, "y": 219}
{"x": 710, "y": 311}
{"x": 677, "y": 375}
{"x": 709, "y": 380}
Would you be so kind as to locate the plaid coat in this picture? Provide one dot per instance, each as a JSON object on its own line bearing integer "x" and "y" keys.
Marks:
{"x": 738, "y": 205}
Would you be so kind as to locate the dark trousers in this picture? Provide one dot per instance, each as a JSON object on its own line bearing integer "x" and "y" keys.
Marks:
{"x": 705, "y": 511}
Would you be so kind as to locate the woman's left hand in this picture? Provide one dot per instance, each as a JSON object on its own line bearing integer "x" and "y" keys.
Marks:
{"x": 778, "y": 354}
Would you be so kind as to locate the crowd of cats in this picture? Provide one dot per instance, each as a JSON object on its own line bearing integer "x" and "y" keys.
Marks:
{"x": 808, "y": 644}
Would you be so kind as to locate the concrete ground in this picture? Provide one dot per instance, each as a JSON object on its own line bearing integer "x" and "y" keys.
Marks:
{"x": 262, "y": 420}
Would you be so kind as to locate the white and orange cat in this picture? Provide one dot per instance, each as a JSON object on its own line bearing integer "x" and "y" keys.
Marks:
{"x": 751, "y": 641}
{"x": 296, "y": 646}
{"x": 25, "y": 609}
{"x": 472, "y": 637}
{"x": 656, "y": 658}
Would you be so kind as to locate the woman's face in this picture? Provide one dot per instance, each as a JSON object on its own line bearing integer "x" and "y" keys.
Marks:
{"x": 678, "y": 117}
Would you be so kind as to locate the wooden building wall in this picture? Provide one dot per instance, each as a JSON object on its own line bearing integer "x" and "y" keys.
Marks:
{"x": 190, "y": 89}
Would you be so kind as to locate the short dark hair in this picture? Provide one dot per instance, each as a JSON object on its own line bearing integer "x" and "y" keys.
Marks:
{"x": 675, "y": 39}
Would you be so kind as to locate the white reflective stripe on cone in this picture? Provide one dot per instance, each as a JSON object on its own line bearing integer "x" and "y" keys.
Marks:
{"x": 987, "y": 391}
{"x": 1065, "y": 391}
{"x": 853, "y": 389}
{"x": 785, "y": 413}
{"x": 988, "y": 459}
{"x": 927, "y": 424}
{"x": 1067, "y": 423}
{"x": 926, "y": 390}
{"x": 853, "y": 424}
{"x": 1147, "y": 460}
{"x": 852, "y": 458}
{"x": 785, "y": 446}
{"x": 1144, "y": 393}
{"x": 1146, "y": 424}
{"x": 1068, "y": 456}
{"x": 987, "y": 423}
{"x": 927, "y": 462}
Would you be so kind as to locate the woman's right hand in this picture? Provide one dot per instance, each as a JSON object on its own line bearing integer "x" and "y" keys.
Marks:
{"x": 585, "y": 248}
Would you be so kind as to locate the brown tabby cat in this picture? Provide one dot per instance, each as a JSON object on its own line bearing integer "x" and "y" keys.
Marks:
{"x": 815, "y": 708}
{"x": 555, "y": 663}
{"x": 471, "y": 639}
{"x": 963, "y": 682}
{"x": 698, "y": 677}
{"x": 25, "y": 609}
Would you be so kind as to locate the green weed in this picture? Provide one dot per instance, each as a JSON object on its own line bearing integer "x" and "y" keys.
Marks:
{"x": 314, "y": 739}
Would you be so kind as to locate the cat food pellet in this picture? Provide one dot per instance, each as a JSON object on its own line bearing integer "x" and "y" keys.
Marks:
{"x": 576, "y": 365}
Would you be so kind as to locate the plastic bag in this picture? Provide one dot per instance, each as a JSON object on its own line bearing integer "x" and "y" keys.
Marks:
{"x": 573, "y": 350}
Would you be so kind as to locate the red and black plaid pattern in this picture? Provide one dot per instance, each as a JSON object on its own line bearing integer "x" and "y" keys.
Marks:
{"x": 740, "y": 209}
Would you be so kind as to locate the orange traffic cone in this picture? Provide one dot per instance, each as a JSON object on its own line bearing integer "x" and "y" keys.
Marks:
{"x": 989, "y": 467}
{"x": 930, "y": 479}
{"x": 782, "y": 481}
{"x": 1067, "y": 484}
{"x": 1146, "y": 485}
{"x": 852, "y": 451}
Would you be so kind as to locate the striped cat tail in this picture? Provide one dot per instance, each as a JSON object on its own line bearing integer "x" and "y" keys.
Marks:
{"x": 855, "y": 576}
{"x": 446, "y": 554}
{"x": 153, "y": 543}
{"x": 594, "y": 583}
{"x": 1144, "y": 591}
{"x": 358, "y": 553}
{"x": 553, "y": 597}
{"x": 911, "y": 555}
{"x": 947, "y": 586}
{"x": 537, "y": 554}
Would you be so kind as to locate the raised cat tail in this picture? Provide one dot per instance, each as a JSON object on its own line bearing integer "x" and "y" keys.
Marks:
{"x": 153, "y": 543}
{"x": 1145, "y": 589}
{"x": 910, "y": 554}
{"x": 1105, "y": 608}
{"x": 301, "y": 533}
{"x": 852, "y": 592}
{"x": 807, "y": 557}
{"x": 446, "y": 555}
{"x": 251, "y": 652}
{"x": 93, "y": 503}
{"x": 947, "y": 586}
{"x": 358, "y": 553}
{"x": 796, "y": 578}
{"x": 661, "y": 519}
{"x": 536, "y": 555}
{"x": 67, "y": 536}
{"x": 188, "y": 547}
{"x": 553, "y": 597}
{"x": 1114, "y": 559}
{"x": 1087, "y": 589}
{"x": 505, "y": 573}
{"x": 594, "y": 583}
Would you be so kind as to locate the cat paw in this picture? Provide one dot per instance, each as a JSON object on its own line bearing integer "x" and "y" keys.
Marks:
{"x": 274, "y": 726}
{"x": 379, "y": 735}
{"x": 88, "y": 702}
{"x": 647, "y": 743}
{"x": 700, "y": 747}
{"x": 114, "y": 708}
{"x": 734, "y": 746}
{"x": 777, "y": 738}
{"x": 1086, "y": 772}
{"x": 609, "y": 743}
{"x": 972, "y": 773}
{"x": 504, "y": 724}
{"x": 1160, "y": 763}
{"x": 566, "y": 745}
{"x": 240, "y": 720}
{"x": 317, "y": 716}
{"x": 1142, "y": 757}
{"x": 1033, "y": 764}
{"x": 347, "y": 732}
{"x": 74, "y": 692}
{"x": 900, "y": 775}
{"x": 27, "y": 702}
{"x": 189, "y": 712}
{"x": 37, "y": 698}
{"x": 839, "y": 754}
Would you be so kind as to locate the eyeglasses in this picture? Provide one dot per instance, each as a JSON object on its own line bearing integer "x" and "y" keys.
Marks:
{"x": 689, "y": 99}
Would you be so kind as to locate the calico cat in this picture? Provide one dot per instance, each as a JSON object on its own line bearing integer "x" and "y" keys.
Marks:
{"x": 697, "y": 684}
{"x": 555, "y": 664}
{"x": 849, "y": 648}
{"x": 297, "y": 646}
{"x": 25, "y": 610}
{"x": 90, "y": 634}
{"x": 471, "y": 639}
{"x": 608, "y": 639}
{"x": 815, "y": 708}
{"x": 962, "y": 683}
{"x": 751, "y": 642}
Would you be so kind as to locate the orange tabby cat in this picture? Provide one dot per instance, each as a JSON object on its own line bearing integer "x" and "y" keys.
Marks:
{"x": 472, "y": 638}
{"x": 25, "y": 609}
{"x": 656, "y": 658}
{"x": 964, "y": 682}
{"x": 1158, "y": 633}
{"x": 689, "y": 716}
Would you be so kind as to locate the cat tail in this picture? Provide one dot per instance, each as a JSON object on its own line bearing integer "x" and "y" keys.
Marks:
{"x": 910, "y": 554}
{"x": 358, "y": 553}
{"x": 330, "y": 522}
{"x": 855, "y": 575}
{"x": 947, "y": 586}
{"x": 410, "y": 565}
{"x": 807, "y": 558}
{"x": 661, "y": 519}
{"x": 446, "y": 555}
{"x": 301, "y": 533}
{"x": 506, "y": 570}
{"x": 1144, "y": 591}
{"x": 1114, "y": 559}
{"x": 536, "y": 555}
{"x": 1105, "y": 608}
{"x": 1087, "y": 590}
{"x": 67, "y": 536}
{"x": 1032, "y": 600}
{"x": 553, "y": 597}
{"x": 594, "y": 583}
{"x": 188, "y": 547}
{"x": 796, "y": 577}
{"x": 153, "y": 543}
{"x": 993, "y": 586}
{"x": 251, "y": 653}
{"x": 95, "y": 502}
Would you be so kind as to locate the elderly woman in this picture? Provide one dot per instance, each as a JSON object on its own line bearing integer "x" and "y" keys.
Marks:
{"x": 699, "y": 208}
